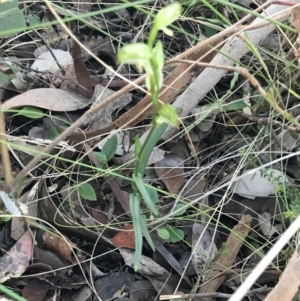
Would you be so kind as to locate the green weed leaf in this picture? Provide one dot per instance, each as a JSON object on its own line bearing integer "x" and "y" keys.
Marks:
{"x": 8, "y": 74}
{"x": 176, "y": 234}
{"x": 152, "y": 193}
{"x": 31, "y": 112}
{"x": 110, "y": 147}
{"x": 101, "y": 157}
{"x": 53, "y": 133}
{"x": 182, "y": 209}
{"x": 33, "y": 20}
{"x": 86, "y": 191}
{"x": 11, "y": 18}
{"x": 163, "y": 233}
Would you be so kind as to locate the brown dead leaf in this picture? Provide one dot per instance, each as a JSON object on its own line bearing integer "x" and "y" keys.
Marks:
{"x": 62, "y": 246}
{"x": 170, "y": 171}
{"x": 85, "y": 86}
{"x": 36, "y": 290}
{"x": 14, "y": 263}
{"x": 125, "y": 239}
{"x": 49, "y": 99}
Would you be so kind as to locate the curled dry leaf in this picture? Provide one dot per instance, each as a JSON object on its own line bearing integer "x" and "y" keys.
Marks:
{"x": 204, "y": 248}
{"x": 36, "y": 290}
{"x": 46, "y": 62}
{"x": 49, "y": 99}
{"x": 62, "y": 246}
{"x": 14, "y": 263}
{"x": 258, "y": 183}
{"x": 170, "y": 171}
{"x": 85, "y": 86}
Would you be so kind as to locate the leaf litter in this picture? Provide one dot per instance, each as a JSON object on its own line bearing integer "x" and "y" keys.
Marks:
{"x": 227, "y": 184}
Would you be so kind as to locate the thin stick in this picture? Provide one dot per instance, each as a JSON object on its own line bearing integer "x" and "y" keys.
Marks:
{"x": 214, "y": 295}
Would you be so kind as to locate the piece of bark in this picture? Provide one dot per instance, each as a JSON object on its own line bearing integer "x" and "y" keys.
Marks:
{"x": 289, "y": 281}
{"x": 226, "y": 259}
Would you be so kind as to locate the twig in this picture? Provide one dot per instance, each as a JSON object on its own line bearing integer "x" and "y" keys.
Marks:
{"x": 214, "y": 295}
{"x": 267, "y": 121}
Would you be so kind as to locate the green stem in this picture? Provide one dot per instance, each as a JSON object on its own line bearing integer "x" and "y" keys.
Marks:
{"x": 11, "y": 294}
{"x": 152, "y": 36}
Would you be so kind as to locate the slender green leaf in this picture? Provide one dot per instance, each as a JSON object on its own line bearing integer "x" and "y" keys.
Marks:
{"x": 234, "y": 106}
{"x": 87, "y": 191}
{"x": 146, "y": 232}
{"x": 31, "y": 112}
{"x": 143, "y": 191}
{"x": 149, "y": 146}
{"x": 134, "y": 202}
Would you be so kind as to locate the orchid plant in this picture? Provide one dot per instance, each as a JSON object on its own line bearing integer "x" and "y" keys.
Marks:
{"x": 150, "y": 59}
